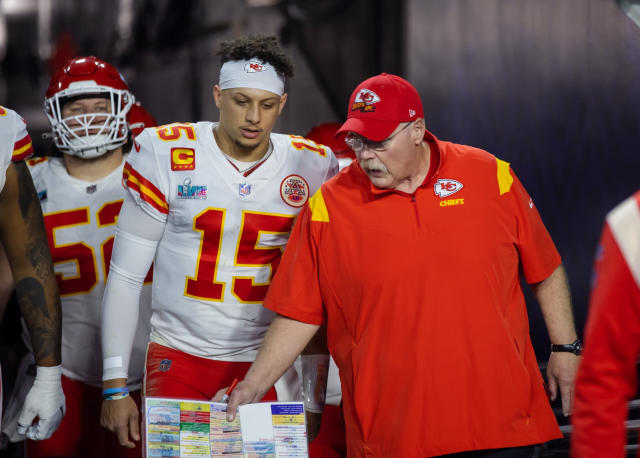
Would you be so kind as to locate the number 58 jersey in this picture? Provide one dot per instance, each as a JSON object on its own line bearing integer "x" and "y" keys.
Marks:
{"x": 225, "y": 232}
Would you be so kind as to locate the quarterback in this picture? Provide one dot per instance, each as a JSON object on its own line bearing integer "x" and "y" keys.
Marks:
{"x": 212, "y": 204}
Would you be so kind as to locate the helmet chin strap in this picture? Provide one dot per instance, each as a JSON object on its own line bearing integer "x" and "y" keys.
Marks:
{"x": 92, "y": 153}
{"x": 77, "y": 147}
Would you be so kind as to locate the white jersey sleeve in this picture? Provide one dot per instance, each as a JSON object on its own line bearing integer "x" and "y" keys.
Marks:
{"x": 144, "y": 177}
{"x": 15, "y": 142}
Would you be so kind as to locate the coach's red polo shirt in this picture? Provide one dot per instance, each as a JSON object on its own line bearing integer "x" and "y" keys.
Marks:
{"x": 421, "y": 294}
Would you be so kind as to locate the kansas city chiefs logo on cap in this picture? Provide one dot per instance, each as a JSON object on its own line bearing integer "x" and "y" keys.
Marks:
{"x": 253, "y": 66}
{"x": 365, "y": 101}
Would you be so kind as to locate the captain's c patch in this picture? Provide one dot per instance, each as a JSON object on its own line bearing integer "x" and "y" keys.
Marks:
{"x": 183, "y": 159}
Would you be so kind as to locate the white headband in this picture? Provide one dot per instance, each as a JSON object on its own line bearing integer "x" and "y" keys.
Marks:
{"x": 251, "y": 73}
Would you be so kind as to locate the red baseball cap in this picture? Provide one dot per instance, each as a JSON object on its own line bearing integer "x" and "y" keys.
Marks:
{"x": 379, "y": 104}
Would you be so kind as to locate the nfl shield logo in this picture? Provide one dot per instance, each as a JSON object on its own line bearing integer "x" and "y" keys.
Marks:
{"x": 165, "y": 364}
{"x": 244, "y": 190}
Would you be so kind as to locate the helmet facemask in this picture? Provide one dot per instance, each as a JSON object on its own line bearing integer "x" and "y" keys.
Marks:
{"x": 89, "y": 135}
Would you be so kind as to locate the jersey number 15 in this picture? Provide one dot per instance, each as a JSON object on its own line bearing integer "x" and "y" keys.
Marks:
{"x": 248, "y": 254}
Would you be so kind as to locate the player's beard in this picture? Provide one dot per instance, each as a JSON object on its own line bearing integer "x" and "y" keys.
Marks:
{"x": 246, "y": 146}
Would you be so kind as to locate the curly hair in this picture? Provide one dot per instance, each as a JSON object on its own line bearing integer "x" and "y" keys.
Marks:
{"x": 264, "y": 47}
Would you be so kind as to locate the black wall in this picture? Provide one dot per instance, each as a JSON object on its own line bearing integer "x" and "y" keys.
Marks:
{"x": 553, "y": 87}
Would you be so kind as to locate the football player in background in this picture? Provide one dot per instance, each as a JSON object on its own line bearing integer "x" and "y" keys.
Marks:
{"x": 24, "y": 240}
{"x": 139, "y": 118}
{"x": 213, "y": 203}
{"x": 325, "y": 134}
{"x": 87, "y": 104}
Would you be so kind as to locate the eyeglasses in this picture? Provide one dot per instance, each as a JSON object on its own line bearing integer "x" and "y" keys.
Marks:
{"x": 358, "y": 143}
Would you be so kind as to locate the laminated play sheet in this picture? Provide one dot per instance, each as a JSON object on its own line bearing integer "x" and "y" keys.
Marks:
{"x": 183, "y": 428}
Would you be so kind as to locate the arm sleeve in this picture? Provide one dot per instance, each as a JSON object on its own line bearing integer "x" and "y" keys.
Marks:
{"x": 134, "y": 248}
{"x": 607, "y": 377}
{"x": 538, "y": 254}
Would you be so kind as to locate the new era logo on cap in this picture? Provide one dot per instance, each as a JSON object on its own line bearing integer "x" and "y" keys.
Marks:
{"x": 253, "y": 66}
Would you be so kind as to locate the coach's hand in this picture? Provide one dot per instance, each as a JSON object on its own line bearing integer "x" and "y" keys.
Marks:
{"x": 121, "y": 417}
{"x": 244, "y": 393}
{"x": 561, "y": 375}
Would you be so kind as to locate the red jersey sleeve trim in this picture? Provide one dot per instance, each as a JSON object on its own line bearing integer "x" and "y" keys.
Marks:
{"x": 147, "y": 191}
{"x": 36, "y": 160}
{"x": 22, "y": 149}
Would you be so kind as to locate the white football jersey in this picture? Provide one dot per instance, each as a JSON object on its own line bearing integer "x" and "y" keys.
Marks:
{"x": 80, "y": 218}
{"x": 15, "y": 142}
{"x": 225, "y": 232}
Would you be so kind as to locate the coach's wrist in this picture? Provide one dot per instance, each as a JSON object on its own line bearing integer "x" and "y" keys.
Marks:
{"x": 256, "y": 385}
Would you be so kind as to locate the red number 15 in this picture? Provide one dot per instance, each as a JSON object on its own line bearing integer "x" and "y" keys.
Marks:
{"x": 248, "y": 254}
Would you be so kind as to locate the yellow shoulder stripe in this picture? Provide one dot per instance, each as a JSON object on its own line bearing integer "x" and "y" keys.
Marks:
{"x": 319, "y": 210}
{"x": 504, "y": 176}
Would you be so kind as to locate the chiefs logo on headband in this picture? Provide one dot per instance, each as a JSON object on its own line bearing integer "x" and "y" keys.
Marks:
{"x": 365, "y": 101}
{"x": 252, "y": 67}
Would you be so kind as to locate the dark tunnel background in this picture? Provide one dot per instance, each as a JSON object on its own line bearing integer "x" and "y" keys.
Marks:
{"x": 553, "y": 87}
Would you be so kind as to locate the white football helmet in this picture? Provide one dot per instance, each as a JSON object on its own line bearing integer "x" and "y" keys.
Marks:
{"x": 88, "y": 135}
